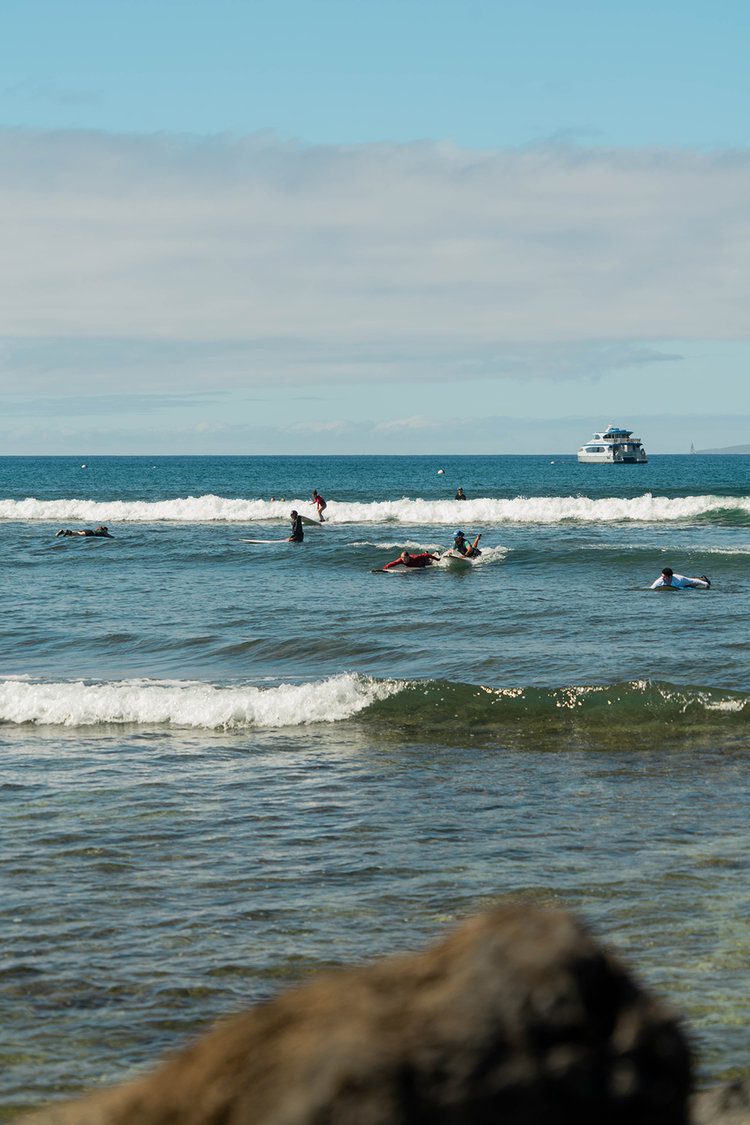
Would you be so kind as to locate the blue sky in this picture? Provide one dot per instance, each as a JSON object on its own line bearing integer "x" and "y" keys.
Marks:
{"x": 321, "y": 226}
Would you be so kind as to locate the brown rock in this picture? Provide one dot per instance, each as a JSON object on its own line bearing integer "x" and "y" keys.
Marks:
{"x": 518, "y": 1018}
{"x": 724, "y": 1105}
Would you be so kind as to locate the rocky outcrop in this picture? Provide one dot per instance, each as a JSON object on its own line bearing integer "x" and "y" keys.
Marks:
{"x": 724, "y": 1105}
{"x": 519, "y": 1018}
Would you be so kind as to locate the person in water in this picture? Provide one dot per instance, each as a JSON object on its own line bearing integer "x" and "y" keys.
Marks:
{"x": 98, "y": 532}
{"x": 319, "y": 503}
{"x": 679, "y": 581}
{"x": 414, "y": 561}
{"x": 463, "y": 547}
{"x": 460, "y": 494}
{"x": 298, "y": 533}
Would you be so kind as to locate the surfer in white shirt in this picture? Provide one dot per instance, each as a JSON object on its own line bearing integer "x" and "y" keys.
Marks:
{"x": 679, "y": 581}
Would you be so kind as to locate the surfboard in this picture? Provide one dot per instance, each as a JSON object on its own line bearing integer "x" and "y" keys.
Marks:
{"x": 310, "y": 523}
{"x": 264, "y": 540}
{"x": 456, "y": 561}
{"x": 403, "y": 569}
{"x": 60, "y": 539}
{"x": 659, "y": 589}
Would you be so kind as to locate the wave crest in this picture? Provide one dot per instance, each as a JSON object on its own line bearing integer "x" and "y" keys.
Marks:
{"x": 188, "y": 704}
{"x": 625, "y": 716}
{"x": 520, "y": 509}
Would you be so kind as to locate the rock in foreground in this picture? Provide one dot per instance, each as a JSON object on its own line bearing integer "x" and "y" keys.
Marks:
{"x": 725, "y": 1105}
{"x": 518, "y": 1018}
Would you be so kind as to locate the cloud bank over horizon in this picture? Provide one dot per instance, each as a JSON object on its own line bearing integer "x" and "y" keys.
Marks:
{"x": 415, "y": 435}
{"x": 231, "y": 262}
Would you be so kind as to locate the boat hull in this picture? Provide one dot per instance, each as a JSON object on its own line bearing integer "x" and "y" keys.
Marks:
{"x": 612, "y": 459}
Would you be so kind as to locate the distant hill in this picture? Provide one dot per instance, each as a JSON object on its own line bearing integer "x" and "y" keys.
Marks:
{"x": 727, "y": 449}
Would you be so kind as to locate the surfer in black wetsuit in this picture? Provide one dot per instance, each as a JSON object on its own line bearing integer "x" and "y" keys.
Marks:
{"x": 460, "y": 494}
{"x": 463, "y": 547}
{"x": 98, "y": 532}
{"x": 298, "y": 533}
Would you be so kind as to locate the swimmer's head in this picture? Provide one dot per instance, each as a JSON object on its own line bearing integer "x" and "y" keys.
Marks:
{"x": 293, "y": 514}
{"x": 667, "y": 572}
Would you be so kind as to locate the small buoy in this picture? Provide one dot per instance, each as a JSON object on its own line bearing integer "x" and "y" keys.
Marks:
{"x": 84, "y": 466}
{"x": 441, "y": 472}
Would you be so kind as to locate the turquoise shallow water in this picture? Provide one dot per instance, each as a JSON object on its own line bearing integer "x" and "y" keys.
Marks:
{"x": 224, "y": 765}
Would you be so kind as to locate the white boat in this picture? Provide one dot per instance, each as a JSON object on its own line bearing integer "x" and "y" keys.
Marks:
{"x": 613, "y": 446}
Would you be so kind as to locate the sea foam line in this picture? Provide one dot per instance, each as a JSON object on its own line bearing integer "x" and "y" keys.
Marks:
{"x": 189, "y": 704}
{"x": 519, "y": 509}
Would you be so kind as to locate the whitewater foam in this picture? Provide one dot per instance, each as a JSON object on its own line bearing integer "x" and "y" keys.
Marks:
{"x": 489, "y": 554}
{"x": 520, "y": 509}
{"x": 401, "y": 545}
{"x": 188, "y": 704}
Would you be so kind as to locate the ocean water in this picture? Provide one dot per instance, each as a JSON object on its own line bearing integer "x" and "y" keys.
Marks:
{"x": 224, "y": 765}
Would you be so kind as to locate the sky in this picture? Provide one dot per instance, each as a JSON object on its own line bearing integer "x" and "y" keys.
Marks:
{"x": 342, "y": 226}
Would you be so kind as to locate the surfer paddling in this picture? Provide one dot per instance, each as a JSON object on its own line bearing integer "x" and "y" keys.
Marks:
{"x": 97, "y": 532}
{"x": 668, "y": 579}
{"x": 463, "y": 547}
{"x": 417, "y": 562}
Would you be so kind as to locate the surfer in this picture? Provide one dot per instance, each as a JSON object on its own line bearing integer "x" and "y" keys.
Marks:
{"x": 460, "y": 494}
{"x": 462, "y": 545}
{"x": 98, "y": 532}
{"x": 319, "y": 503}
{"x": 417, "y": 562}
{"x": 298, "y": 533}
{"x": 679, "y": 581}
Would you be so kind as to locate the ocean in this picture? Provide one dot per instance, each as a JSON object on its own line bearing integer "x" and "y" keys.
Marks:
{"x": 225, "y": 765}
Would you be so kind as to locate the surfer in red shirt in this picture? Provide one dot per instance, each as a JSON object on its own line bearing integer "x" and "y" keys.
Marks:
{"x": 319, "y": 503}
{"x": 416, "y": 561}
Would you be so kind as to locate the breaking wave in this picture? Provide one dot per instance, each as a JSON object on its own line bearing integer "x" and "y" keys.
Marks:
{"x": 634, "y": 715}
{"x": 519, "y": 509}
{"x": 177, "y": 703}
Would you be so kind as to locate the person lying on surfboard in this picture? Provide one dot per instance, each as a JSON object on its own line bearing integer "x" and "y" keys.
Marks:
{"x": 679, "y": 581}
{"x": 416, "y": 561}
{"x": 98, "y": 533}
{"x": 462, "y": 545}
{"x": 298, "y": 533}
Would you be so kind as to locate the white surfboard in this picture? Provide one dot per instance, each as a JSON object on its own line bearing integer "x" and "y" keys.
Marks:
{"x": 264, "y": 540}
{"x": 456, "y": 561}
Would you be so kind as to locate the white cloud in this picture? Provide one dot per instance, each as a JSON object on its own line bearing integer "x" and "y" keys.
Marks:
{"x": 664, "y": 433}
{"x": 233, "y": 262}
{"x": 416, "y": 422}
{"x": 323, "y": 427}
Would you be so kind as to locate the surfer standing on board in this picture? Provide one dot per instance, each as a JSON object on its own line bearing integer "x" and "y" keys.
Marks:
{"x": 679, "y": 581}
{"x": 298, "y": 533}
{"x": 319, "y": 503}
